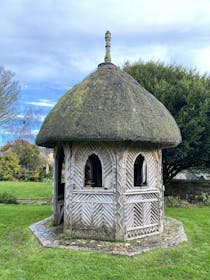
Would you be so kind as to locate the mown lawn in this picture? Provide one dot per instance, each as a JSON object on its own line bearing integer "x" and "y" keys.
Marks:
{"x": 27, "y": 189}
{"x": 22, "y": 257}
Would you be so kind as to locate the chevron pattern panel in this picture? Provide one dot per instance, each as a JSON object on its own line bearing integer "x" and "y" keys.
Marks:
{"x": 120, "y": 187}
{"x": 93, "y": 212}
{"x": 160, "y": 187}
{"x": 54, "y": 196}
{"x": 81, "y": 152}
{"x": 152, "y": 168}
{"x": 141, "y": 232}
{"x": 142, "y": 214}
{"x": 67, "y": 201}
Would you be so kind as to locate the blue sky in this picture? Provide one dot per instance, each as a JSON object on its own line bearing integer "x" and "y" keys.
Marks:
{"x": 51, "y": 44}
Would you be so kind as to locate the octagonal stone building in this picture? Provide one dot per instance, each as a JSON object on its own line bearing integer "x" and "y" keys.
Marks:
{"x": 107, "y": 133}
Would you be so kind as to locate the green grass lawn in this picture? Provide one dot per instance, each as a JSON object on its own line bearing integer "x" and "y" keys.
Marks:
{"x": 22, "y": 257}
{"x": 27, "y": 189}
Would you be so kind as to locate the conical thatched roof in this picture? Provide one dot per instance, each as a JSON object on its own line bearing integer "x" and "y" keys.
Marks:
{"x": 109, "y": 105}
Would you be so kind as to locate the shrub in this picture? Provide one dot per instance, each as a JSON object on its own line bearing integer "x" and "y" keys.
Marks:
{"x": 7, "y": 198}
{"x": 31, "y": 161}
{"x": 9, "y": 166}
{"x": 173, "y": 201}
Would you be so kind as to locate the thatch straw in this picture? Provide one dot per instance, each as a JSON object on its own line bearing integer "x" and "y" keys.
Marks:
{"x": 109, "y": 105}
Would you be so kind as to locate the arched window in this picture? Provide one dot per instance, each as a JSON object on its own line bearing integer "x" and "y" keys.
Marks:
{"x": 140, "y": 171}
{"x": 93, "y": 172}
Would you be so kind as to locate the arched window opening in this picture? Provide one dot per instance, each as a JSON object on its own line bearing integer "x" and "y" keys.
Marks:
{"x": 93, "y": 172}
{"x": 140, "y": 171}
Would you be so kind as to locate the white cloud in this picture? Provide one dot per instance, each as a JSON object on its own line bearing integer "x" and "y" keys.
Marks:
{"x": 202, "y": 59}
{"x": 5, "y": 132}
{"x": 60, "y": 42}
{"x": 35, "y": 132}
{"x": 20, "y": 116}
{"x": 37, "y": 117}
{"x": 156, "y": 52}
{"x": 42, "y": 103}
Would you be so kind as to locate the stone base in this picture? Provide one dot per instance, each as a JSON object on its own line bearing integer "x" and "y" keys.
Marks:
{"x": 49, "y": 236}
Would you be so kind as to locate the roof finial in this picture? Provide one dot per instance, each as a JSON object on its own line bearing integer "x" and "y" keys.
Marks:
{"x": 108, "y": 43}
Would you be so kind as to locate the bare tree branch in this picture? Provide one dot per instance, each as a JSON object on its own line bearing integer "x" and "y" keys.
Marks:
{"x": 9, "y": 92}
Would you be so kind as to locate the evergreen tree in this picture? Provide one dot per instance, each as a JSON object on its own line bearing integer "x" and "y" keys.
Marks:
{"x": 186, "y": 94}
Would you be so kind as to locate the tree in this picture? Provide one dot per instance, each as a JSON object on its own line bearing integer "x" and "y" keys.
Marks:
{"x": 29, "y": 155}
{"x": 31, "y": 159}
{"x": 186, "y": 94}
{"x": 9, "y": 165}
{"x": 9, "y": 91}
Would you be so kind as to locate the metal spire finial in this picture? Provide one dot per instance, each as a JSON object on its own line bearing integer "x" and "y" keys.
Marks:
{"x": 108, "y": 44}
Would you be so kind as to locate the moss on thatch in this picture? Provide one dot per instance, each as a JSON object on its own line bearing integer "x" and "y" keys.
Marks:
{"x": 109, "y": 105}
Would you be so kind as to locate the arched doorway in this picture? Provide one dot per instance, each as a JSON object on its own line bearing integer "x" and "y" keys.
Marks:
{"x": 140, "y": 171}
{"x": 93, "y": 172}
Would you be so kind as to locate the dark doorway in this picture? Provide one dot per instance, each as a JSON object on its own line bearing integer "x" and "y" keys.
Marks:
{"x": 60, "y": 184}
{"x": 140, "y": 171}
{"x": 61, "y": 173}
{"x": 93, "y": 172}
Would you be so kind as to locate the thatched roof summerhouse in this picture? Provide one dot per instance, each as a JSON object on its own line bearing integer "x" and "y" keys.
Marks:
{"x": 107, "y": 133}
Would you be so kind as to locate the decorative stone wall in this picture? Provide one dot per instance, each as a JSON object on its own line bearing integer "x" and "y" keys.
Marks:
{"x": 117, "y": 210}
